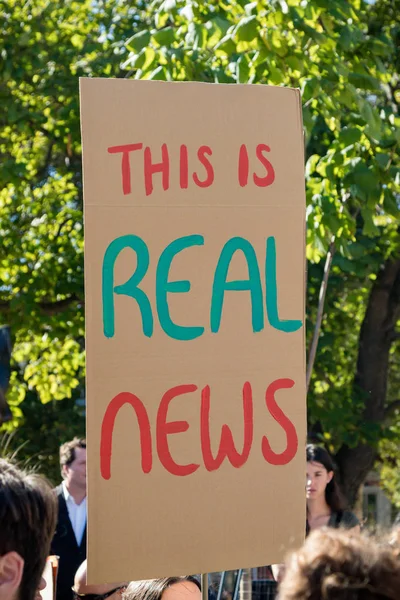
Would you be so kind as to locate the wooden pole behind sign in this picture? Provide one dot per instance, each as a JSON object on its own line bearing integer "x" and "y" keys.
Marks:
{"x": 204, "y": 586}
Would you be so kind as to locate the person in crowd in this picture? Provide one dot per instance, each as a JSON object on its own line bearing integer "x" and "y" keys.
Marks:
{"x": 335, "y": 565}
{"x": 325, "y": 503}
{"x": 28, "y": 513}
{"x": 168, "y": 588}
{"x": 69, "y": 542}
{"x": 84, "y": 591}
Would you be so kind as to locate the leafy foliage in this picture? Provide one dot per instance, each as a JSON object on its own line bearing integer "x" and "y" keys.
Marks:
{"x": 45, "y": 46}
{"x": 343, "y": 55}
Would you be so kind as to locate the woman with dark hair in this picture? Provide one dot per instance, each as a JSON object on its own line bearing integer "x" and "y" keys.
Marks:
{"x": 325, "y": 503}
{"x": 168, "y": 588}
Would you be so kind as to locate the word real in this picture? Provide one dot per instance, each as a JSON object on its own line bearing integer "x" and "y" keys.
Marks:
{"x": 226, "y": 445}
{"x": 203, "y": 179}
{"x": 261, "y": 300}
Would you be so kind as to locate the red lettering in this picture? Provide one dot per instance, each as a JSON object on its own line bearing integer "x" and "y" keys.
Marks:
{"x": 126, "y": 168}
{"x": 202, "y": 153}
{"x": 243, "y": 166}
{"x": 161, "y": 167}
{"x": 269, "y": 178}
{"x": 184, "y": 170}
{"x": 226, "y": 444}
{"x": 291, "y": 436}
{"x": 107, "y": 429}
{"x": 164, "y": 429}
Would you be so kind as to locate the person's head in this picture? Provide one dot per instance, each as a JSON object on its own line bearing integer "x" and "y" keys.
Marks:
{"x": 83, "y": 591}
{"x": 321, "y": 481}
{"x": 168, "y": 588}
{"x": 28, "y": 513}
{"x": 335, "y": 565}
{"x": 73, "y": 463}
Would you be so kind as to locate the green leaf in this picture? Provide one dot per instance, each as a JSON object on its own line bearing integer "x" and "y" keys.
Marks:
{"x": 138, "y": 41}
{"x": 159, "y": 74}
{"x": 350, "y": 135}
{"x": 363, "y": 81}
{"x": 310, "y": 88}
{"x": 149, "y": 58}
{"x": 135, "y": 61}
{"x": 226, "y": 45}
{"x": 164, "y": 37}
{"x": 369, "y": 228}
{"x": 311, "y": 164}
{"x": 247, "y": 29}
{"x": 295, "y": 63}
{"x": 242, "y": 70}
{"x": 383, "y": 160}
{"x": 390, "y": 203}
{"x": 350, "y": 38}
{"x": 372, "y": 119}
{"x": 365, "y": 178}
{"x": 275, "y": 76}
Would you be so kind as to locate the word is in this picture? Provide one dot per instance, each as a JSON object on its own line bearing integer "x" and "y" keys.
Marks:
{"x": 203, "y": 158}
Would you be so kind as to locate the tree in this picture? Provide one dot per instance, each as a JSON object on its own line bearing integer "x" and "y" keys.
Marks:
{"x": 45, "y": 47}
{"x": 343, "y": 56}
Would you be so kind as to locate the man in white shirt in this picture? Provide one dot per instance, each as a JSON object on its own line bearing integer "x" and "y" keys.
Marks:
{"x": 69, "y": 542}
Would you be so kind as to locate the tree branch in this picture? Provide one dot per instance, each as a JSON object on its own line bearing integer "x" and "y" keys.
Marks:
{"x": 320, "y": 312}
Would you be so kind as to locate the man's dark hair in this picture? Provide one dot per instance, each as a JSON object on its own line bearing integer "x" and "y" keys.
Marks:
{"x": 28, "y": 514}
{"x": 67, "y": 450}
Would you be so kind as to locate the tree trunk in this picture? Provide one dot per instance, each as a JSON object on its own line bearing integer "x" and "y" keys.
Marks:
{"x": 377, "y": 334}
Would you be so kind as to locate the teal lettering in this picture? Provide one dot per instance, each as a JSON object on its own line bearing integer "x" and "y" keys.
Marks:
{"x": 253, "y": 284}
{"x": 163, "y": 287}
{"x": 271, "y": 296}
{"x": 130, "y": 288}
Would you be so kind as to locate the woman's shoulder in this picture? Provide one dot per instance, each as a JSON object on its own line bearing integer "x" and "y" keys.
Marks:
{"x": 346, "y": 519}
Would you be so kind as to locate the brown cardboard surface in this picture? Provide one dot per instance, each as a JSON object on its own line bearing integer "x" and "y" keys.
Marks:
{"x": 157, "y": 523}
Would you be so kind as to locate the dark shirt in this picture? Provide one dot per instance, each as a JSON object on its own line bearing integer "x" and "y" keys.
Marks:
{"x": 342, "y": 518}
{"x": 65, "y": 546}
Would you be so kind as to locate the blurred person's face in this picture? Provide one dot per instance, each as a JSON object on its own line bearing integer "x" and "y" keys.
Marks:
{"x": 75, "y": 473}
{"x": 184, "y": 590}
{"x": 317, "y": 480}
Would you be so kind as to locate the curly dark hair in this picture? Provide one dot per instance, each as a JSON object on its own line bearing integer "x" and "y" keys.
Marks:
{"x": 67, "y": 451}
{"x": 336, "y": 565}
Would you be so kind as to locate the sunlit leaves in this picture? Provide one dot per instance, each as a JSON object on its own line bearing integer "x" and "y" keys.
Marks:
{"x": 342, "y": 55}
{"x": 44, "y": 47}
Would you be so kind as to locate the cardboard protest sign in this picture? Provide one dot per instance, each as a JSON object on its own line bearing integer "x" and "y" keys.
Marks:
{"x": 194, "y": 262}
